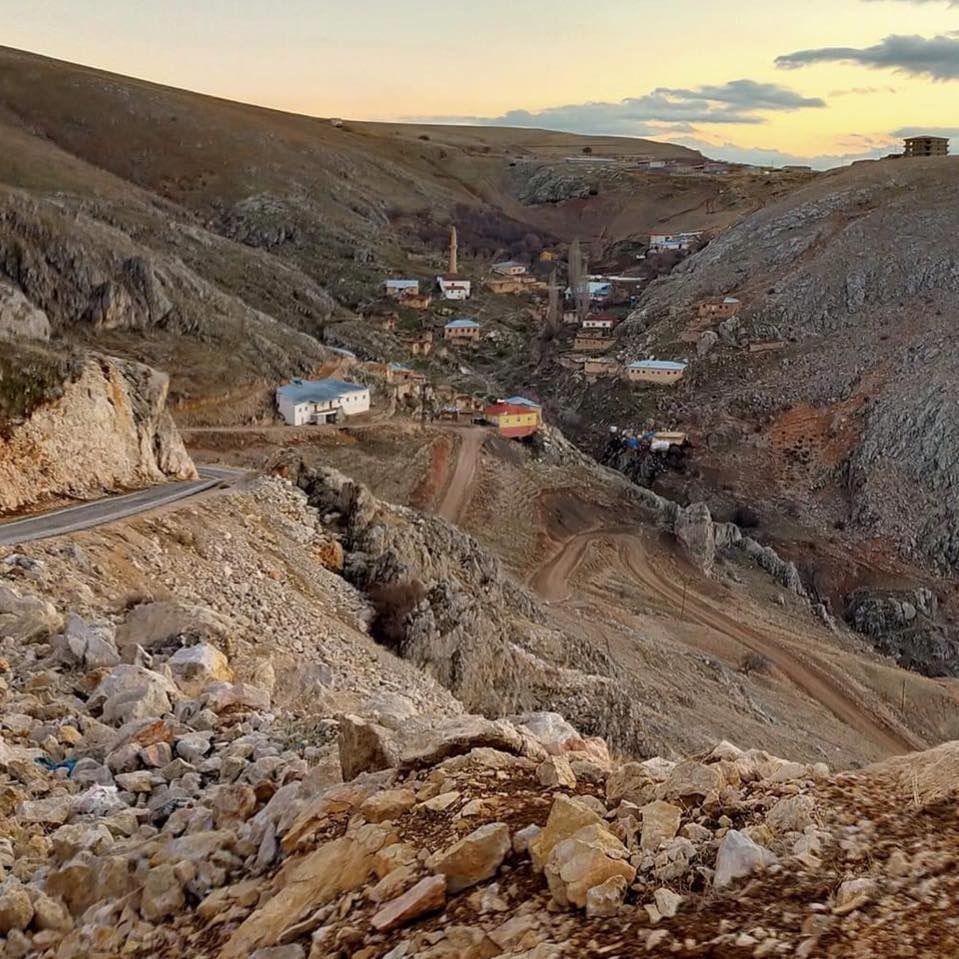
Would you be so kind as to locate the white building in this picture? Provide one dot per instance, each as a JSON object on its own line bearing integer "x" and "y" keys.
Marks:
{"x": 599, "y": 290}
{"x": 453, "y": 286}
{"x": 663, "y": 242}
{"x": 599, "y": 321}
{"x": 509, "y": 268}
{"x": 396, "y": 289}
{"x": 308, "y": 402}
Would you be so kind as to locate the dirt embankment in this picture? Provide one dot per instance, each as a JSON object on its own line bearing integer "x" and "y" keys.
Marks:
{"x": 456, "y": 496}
{"x": 779, "y": 647}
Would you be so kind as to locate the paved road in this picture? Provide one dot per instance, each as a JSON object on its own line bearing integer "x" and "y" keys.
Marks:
{"x": 97, "y": 513}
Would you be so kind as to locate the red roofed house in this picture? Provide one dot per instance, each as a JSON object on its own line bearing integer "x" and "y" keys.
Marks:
{"x": 514, "y": 420}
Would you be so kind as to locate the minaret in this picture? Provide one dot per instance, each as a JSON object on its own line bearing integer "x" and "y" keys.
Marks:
{"x": 453, "y": 263}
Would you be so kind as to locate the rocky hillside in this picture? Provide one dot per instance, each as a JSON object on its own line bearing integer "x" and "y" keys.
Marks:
{"x": 858, "y": 273}
{"x": 159, "y": 801}
{"x": 223, "y": 242}
{"x": 82, "y": 427}
{"x": 839, "y": 440}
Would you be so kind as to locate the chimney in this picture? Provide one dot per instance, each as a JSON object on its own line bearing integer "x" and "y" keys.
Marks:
{"x": 453, "y": 260}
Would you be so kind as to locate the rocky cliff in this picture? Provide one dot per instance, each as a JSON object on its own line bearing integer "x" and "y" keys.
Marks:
{"x": 447, "y": 605}
{"x": 108, "y": 429}
{"x": 858, "y": 272}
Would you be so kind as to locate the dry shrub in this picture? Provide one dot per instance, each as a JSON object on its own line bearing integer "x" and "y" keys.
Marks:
{"x": 754, "y": 662}
{"x": 393, "y": 603}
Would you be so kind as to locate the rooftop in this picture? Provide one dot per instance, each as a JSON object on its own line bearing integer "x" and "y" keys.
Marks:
{"x": 522, "y": 401}
{"x": 462, "y": 325}
{"x": 402, "y": 282}
{"x": 317, "y": 391}
{"x": 657, "y": 365}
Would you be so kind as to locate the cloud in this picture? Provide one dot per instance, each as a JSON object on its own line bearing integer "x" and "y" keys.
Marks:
{"x": 772, "y": 156}
{"x": 663, "y": 110}
{"x": 950, "y": 3}
{"x": 936, "y": 57}
{"x": 747, "y": 94}
{"x": 863, "y": 91}
{"x": 903, "y": 132}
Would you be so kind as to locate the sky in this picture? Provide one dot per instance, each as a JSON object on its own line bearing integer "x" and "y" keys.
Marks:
{"x": 780, "y": 81}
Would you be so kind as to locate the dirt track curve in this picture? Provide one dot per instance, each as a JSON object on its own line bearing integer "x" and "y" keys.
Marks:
{"x": 839, "y": 694}
{"x": 456, "y": 495}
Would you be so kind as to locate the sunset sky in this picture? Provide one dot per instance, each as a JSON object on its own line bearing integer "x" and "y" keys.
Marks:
{"x": 822, "y": 81}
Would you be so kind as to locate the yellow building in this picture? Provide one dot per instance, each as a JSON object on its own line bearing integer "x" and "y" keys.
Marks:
{"x": 514, "y": 420}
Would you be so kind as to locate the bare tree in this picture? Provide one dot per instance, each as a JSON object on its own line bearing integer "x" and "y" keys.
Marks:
{"x": 578, "y": 279}
{"x": 553, "y": 317}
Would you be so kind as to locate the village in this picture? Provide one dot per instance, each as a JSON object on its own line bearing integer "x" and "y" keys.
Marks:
{"x": 430, "y": 318}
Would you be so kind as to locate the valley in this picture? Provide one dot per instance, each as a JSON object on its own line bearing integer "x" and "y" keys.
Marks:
{"x": 423, "y": 542}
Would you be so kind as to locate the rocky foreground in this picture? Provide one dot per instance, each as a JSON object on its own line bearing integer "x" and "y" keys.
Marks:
{"x": 153, "y": 805}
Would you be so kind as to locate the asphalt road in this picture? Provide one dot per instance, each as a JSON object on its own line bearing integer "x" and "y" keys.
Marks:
{"x": 101, "y": 511}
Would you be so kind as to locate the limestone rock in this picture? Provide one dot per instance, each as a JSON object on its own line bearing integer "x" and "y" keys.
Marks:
{"x": 630, "y": 781}
{"x": 162, "y": 894}
{"x": 461, "y": 734}
{"x": 586, "y": 859}
{"x": 428, "y": 895}
{"x": 365, "y": 747}
{"x": 854, "y": 894}
{"x": 195, "y": 667}
{"x": 660, "y": 823}
{"x": 168, "y": 624}
{"x": 221, "y": 696}
{"x": 738, "y": 856}
{"x": 791, "y": 814}
{"x": 388, "y": 804}
{"x": 667, "y": 902}
{"x": 606, "y": 899}
{"x": 556, "y": 772}
{"x": 696, "y": 533}
{"x": 566, "y": 817}
{"x": 131, "y": 692}
{"x": 474, "y": 858}
{"x": 16, "y": 909}
{"x": 19, "y": 317}
{"x": 91, "y": 645}
{"x": 693, "y": 779}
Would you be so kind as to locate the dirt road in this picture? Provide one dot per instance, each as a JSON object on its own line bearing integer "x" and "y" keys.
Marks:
{"x": 456, "y": 495}
{"x": 839, "y": 694}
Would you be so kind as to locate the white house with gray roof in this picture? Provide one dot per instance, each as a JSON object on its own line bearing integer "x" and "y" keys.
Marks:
{"x": 308, "y": 402}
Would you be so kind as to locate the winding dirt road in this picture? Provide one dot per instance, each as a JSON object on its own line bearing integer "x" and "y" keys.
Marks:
{"x": 456, "y": 495}
{"x": 839, "y": 694}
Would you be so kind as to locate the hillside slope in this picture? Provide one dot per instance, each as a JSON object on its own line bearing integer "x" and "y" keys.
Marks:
{"x": 843, "y": 436}
{"x": 220, "y": 240}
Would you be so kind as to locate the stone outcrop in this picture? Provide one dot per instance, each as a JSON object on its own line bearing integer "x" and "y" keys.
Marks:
{"x": 464, "y": 619}
{"x": 110, "y": 430}
{"x": 19, "y": 317}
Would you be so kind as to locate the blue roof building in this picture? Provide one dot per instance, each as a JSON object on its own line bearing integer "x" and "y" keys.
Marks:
{"x": 655, "y": 371}
{"x": 305, "y": 402}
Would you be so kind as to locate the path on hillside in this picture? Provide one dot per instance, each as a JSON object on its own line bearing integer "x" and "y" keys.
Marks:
{"x": 456, "y": 495}
{"x": 112, "y": 508}
{"x": 839, "y": 694}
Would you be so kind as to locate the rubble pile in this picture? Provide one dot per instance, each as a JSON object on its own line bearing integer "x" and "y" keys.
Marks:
{"x": 152, "y": 804}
